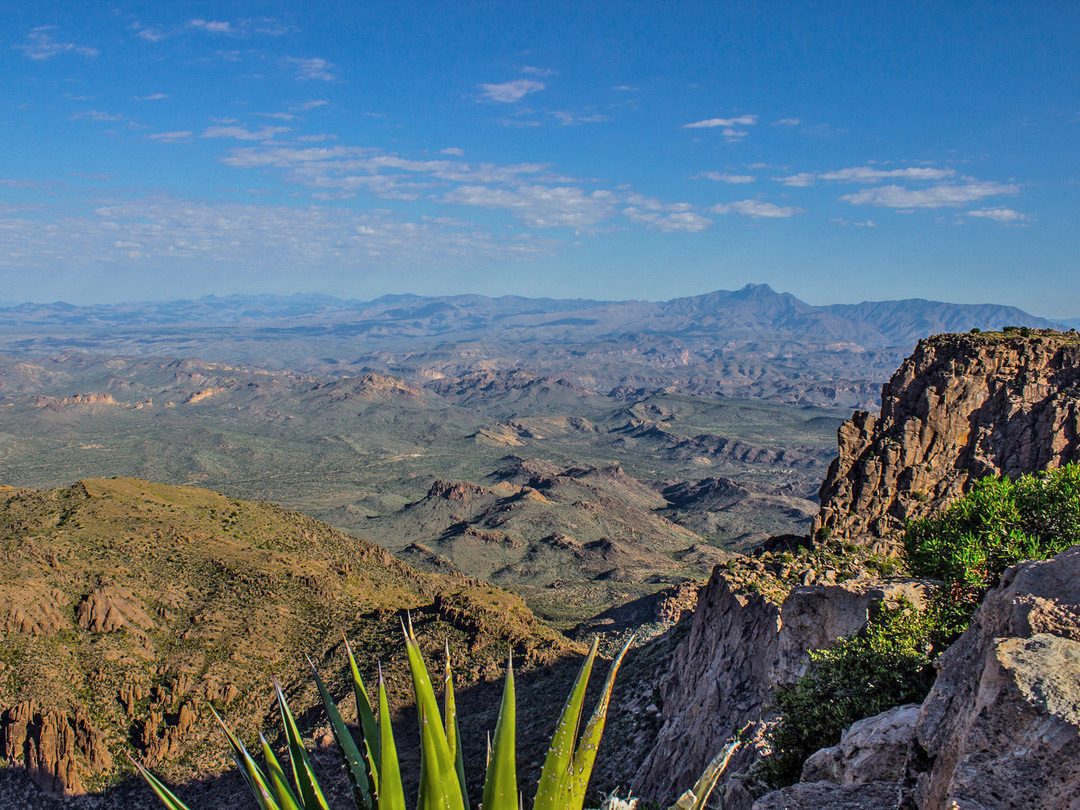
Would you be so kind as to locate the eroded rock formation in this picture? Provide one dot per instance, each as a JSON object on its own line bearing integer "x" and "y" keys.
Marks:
{"x": 961, "y": 407}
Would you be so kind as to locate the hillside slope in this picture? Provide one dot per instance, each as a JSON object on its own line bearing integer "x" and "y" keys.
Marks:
{"x": 130, "y": 608}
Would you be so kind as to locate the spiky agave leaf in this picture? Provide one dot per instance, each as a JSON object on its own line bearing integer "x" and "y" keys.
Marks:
{"x": 435, "y": 760}
{"x": 391, "y": 793}
{"x": 256, "y": 779}
{"x": 303, "y": 775}
{"x": 695, "y": 798}
{"x": 275, "y": 774}
{"x": 364, "y": 712}
{"x": 585, "y": 754}
{"x": 168, "y": 798}
{"x": 453, "y": 733}
{"x": 360, "y": 772}
{"x": 555, "y": 786}
{"x": 500, "y": 784}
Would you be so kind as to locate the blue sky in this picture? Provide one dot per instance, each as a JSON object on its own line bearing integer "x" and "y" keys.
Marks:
{"x": 842, "y": 151}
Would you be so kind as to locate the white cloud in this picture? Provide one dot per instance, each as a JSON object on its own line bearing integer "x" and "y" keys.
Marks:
{"x": 312, "y": 69}
{"x": 626, "y": 88}
{"x": 316, "y": 138}
{"x": 41, "y": 45}
{"x": 151, "y": 35}
{"x": 211, "y": 26}
{"x": 281, "y": 116}
{"x": 242, "y": 134}
{"x": 1000, "y": 214}
{"x": 754, "y": 208}
{"x": 708, "y": 123}
{"x": 684, "y": 222}
{"x": 800, "y": 180}
{"x": 788, "y": 122}
{"x": 939, "y": 196}
{"x": 311, "y": 105}
{"x": 567, "y": 118}
{"x": 170, "y": 137}
{"x": 152, "y": 97}
{"x": 868, "y": 174}
{"x": 509, "y": 92}
{"x": 535, "y": 71}
{"x": 203, "y": 236}
{"x": 723, "y": 177}
{"x": 453, "y": 150}
{"x": 96, "y": 115}
{"x": 541, "y": 206}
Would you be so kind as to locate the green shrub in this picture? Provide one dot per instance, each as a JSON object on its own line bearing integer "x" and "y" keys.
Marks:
{"x": 998, "y": 523}
{"x": 884, "y": 666}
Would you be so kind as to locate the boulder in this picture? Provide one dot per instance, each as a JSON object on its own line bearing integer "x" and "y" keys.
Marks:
{"x": 875, "y": 749}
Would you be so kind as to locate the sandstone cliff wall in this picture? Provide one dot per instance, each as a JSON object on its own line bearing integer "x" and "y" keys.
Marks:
{"x": 961, "y": 407}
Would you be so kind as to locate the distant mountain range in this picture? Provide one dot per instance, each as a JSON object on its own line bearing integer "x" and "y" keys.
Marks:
{"x": 753, "y": 342}
{"x": 754, "y": 311}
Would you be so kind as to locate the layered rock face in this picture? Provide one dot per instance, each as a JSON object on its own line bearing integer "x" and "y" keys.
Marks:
{"x": 1000, "y": 728}
{"x": 742, "y": 646}
{"x": 961, "y": 407}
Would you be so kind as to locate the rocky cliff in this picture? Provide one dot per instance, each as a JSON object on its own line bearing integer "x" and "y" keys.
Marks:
{"x": 999, "y": 729}
{"x": 961, "y": 407}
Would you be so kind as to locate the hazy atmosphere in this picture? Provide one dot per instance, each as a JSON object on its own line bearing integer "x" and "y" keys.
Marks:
{"x": 842, "y": 151}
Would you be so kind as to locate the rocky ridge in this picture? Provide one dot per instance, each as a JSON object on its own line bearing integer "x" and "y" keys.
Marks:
{"x": 960, "y": 408}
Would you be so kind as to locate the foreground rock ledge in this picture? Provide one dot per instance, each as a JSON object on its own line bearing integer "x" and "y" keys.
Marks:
{"x": 1000, "y": 728}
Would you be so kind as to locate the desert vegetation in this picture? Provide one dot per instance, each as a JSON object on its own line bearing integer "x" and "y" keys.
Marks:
{"x": 966, "y": 547}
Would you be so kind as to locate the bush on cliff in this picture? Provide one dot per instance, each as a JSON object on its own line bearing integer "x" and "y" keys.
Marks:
{"x": 998, "y": 523}
{"x": 884, "y": 666}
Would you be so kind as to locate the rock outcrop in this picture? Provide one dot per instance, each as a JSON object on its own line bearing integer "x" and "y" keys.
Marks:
{"x": 741, "y": 646}
{"x": 1000, "y": 728}
{"x": 56, "y": 749}
{"x": 961, "y": 407}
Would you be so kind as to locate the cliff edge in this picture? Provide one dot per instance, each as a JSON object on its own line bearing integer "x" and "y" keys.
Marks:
{"x": 960, "y": 408}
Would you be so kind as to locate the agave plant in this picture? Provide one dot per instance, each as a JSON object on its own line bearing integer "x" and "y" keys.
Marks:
{"x": 372, "y": 763}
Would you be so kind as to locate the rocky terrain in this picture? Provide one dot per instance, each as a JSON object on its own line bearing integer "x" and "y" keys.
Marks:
{"x": 961, "y": 407}
{"x": 129, "y": 609}
{"x": 752, "y": 342}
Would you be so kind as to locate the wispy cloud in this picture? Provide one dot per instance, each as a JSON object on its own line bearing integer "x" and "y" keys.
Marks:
{"x": 152, "y": 97}
{"x": 567, "y": 118}
{"x": 541, "y": 206}
{"x": 939, "y": 196}
{"x": 211, "y": 26}
{"x": 868, "y": 174}
{"x": 312, "y": 69}
{"x": 151, "y": 34}
{"x": 96, "y": 115}
{"x": 41, "y": 45}
{"x": 509, "y": 92}
{"x": 723, "y": 177}
{"x": 541, "y": 72}
{"x": 311, "y": 105}
{"x": 243, "y": 134}
{"x": 678, "y": 222}
{"x": 787, "y": 122}
{"x": 709, "y": 123}
{"x": 1000, "y": 214}
{"x": 453, "y": 150}
{"x": 170, "y": 137}
{"x": 281, "y": 116}
{"x": 625, "y": 88}
{"x": 755, "y": 208}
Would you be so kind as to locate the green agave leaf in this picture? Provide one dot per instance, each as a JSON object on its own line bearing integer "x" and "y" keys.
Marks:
{"x": 364, "y": 711}
{"x": 585, "y": 756}
{"x": 555, "y": 786}
{"x": 278, "y": 783}
{"x": 435, "y": 761}
{"x": 500, "y": 784}
{"x": 453, "y": 733}
{"x": 256, "y": 779}
{"x": 350, "y": 752}
{"x": 695, "y": 798}
{"x": 304, "y": 777}
{"x": 391, "y": 793}
{"x": 168, "y": 798}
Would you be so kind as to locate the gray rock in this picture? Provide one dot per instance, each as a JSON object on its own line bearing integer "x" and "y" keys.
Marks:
{"x": 829, "y": 796}
{"x": 876, "y": 749}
